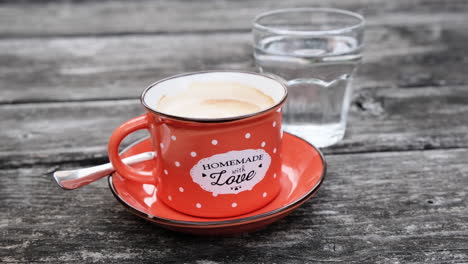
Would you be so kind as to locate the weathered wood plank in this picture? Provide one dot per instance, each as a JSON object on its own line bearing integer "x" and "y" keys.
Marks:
{"x": 394, "y": 207}
{"x": 123, "y": 17}
{"x": 389, "y": 207}
{"x": 381, "y": 119}
{"x": 115, "y": 67}
{"x": 61, "y": 69}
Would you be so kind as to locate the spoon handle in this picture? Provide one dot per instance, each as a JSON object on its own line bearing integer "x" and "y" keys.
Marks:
{"x": 73, "y": 179}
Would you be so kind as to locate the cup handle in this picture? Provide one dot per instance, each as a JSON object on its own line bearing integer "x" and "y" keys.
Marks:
{"x": 130, "y": 173}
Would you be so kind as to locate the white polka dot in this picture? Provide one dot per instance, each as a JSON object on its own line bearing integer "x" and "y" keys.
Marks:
{"x": 161, "y": 145}
{"x": 247, "y": 135}
{"x": 170, "y": 198}
{"x": 198, "y": 205}
{"x": 177, "y": 164}
{"x": 263, "y": 144}
{"x": 181, "y": 189}
{"x": 274, "y": 176}
{"x": 234, "y": 204}
{"x": 274, "y": 124}
{"x": 274, "y": 150}
{"x": 173, "y": 138}
{"x": 149, "y": 188}
{"x": 264, "y": 194}
{"x": 193, "y": 154}
{"x": 166, "y": 172}
{"x": 215, "y": 194}
{"x": 214, "y": 142}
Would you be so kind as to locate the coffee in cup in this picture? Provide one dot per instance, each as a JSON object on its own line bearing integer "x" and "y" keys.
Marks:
{"x": 215, "y": 100}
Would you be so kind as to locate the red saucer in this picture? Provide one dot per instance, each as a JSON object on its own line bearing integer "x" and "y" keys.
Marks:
{"x": 303, "y": 171}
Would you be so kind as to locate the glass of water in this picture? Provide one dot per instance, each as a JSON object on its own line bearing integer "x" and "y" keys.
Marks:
{"x": 315, "y": 51}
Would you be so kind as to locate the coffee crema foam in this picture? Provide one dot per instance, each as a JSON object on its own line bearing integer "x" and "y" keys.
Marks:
{"x": 215, "y": 100}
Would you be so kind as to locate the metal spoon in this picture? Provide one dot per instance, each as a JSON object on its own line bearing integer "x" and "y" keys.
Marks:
{"x": 73, "y": 179}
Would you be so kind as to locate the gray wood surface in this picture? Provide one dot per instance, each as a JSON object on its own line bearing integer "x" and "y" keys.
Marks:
{"x": 393, "y": 207}
{"x": 71, "y": 71}
{"x": 181, "y": 16}
{"x": 381, "y": 119}
{"x": 120, "y": 67}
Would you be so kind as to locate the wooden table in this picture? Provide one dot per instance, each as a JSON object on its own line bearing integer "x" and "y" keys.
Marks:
{"x": 71, "y": 71}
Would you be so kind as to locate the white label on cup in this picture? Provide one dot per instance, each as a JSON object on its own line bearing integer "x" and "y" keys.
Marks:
{"x": 231, "y": 172}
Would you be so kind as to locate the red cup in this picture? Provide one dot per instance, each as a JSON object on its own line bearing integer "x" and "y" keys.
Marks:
{"x": 209, "y": 167}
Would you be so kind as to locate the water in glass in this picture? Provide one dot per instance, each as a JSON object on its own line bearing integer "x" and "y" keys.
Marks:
{"x": 318, "y": 72}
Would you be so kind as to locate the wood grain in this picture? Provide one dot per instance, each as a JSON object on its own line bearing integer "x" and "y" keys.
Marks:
{"x": 389, "y": 207}
{"x": 71, "y": 69}
{"x": 381, "y": 119}
{"x": 62, "y": 18}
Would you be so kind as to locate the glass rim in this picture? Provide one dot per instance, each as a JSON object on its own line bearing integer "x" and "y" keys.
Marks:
{"x": 258, "y": 26}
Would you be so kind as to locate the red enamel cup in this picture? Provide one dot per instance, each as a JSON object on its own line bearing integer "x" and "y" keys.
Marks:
{"x": 209, "y": 167}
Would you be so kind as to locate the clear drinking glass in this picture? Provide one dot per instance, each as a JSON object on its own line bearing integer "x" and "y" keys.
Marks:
{"x": 315, "y": 51}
